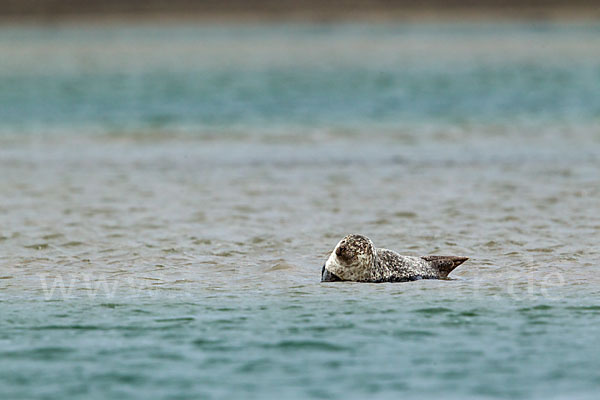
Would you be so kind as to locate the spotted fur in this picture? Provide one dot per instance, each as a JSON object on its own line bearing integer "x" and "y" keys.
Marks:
{"x": 355, "y": 258}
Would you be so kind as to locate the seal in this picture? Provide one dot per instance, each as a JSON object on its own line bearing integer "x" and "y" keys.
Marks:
{"x": 356, "y": 259}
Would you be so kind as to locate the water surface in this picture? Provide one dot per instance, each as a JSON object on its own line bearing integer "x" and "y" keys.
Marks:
{"x": 169, "y": 193}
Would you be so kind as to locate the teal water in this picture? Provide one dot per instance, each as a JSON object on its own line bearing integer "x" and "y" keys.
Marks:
{"x": 169, "y": 193}
{"x": 309, "y": 343}
{"x": 119, "y": 78}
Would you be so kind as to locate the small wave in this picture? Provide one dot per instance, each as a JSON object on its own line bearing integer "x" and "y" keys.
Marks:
{"x": 540, "y": 307}
{"x": 282, "y": 265}
{"x": 408, "y": 334}
{"x": 73, "y": 243}
{"x": 306, "y": 345}
{"x": 38, "y": 246}
{"x": 52, "y": 236}
{"x": 66, "y": 327}
{"x": 41, "y": 353}
{"x": 179, "y": 319}
{"x": 433, "y": 310}
{"x": 405, "y": 214}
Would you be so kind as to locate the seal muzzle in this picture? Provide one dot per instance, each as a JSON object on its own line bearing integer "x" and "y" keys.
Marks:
{"x": 327, "y": 276}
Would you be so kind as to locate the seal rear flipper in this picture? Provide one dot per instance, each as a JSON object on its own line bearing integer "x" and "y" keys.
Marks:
{"x": 445, "y": 264}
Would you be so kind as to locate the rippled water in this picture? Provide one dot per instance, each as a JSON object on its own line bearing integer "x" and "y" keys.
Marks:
{"x": 169, "y": 193}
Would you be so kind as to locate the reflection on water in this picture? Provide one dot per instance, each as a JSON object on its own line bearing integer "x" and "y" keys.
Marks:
{"x": 169, "y": 194}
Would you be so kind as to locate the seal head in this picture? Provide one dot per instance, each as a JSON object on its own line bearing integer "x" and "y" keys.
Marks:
{"x": 353, "y": 259}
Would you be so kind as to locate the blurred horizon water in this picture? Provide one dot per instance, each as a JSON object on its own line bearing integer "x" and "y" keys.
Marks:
{"x": 169, "y": 193}
{"x": 308, "y": 76}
